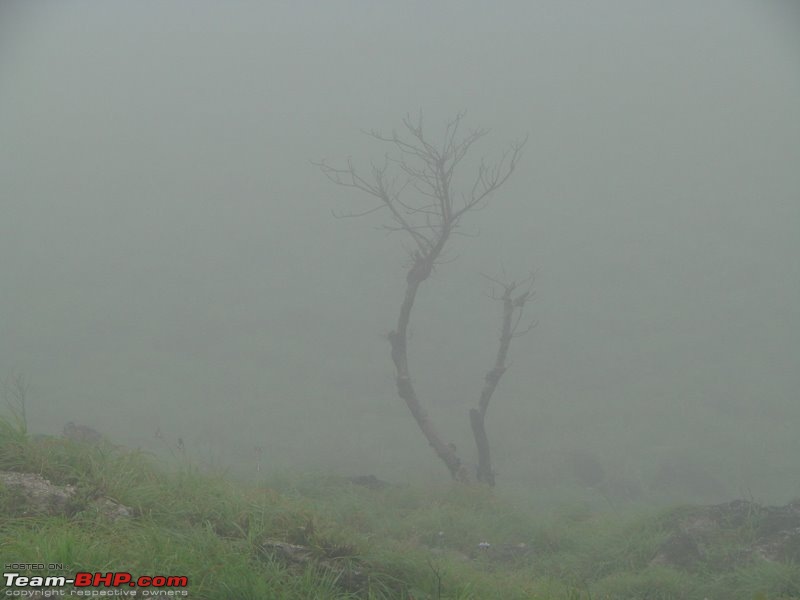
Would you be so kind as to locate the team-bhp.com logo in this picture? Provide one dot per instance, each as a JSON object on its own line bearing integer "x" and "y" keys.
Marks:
{"x": 88, "y": 584}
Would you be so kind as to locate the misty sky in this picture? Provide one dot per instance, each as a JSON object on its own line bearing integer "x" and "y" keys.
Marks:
{"x": 169, "y": 257}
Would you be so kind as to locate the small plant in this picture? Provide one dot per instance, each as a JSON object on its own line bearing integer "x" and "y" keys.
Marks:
{"x": 15, "y": 395}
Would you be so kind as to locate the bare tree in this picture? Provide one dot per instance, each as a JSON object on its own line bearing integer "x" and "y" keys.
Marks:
{"x": 416, "y": 187}
{"x": 513, "y": 304}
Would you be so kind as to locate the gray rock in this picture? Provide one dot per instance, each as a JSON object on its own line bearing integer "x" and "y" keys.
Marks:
{"x": 82, "y": 434}
{"x": 30, "y": 494}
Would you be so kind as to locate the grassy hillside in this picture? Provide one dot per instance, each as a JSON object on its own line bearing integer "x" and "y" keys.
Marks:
{"x": 321, "y": 536}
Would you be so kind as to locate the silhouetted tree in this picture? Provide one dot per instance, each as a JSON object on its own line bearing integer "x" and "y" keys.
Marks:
{"x": 416, "y": 187}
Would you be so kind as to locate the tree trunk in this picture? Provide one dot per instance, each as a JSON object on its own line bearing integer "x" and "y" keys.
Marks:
{"x": 405, "y": 388}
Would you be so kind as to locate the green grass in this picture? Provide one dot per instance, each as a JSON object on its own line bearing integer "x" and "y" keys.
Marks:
{"x": 397, "y": 542}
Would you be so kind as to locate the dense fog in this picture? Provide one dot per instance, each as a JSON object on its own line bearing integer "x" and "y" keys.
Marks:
{"x": 170, "y": 261}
